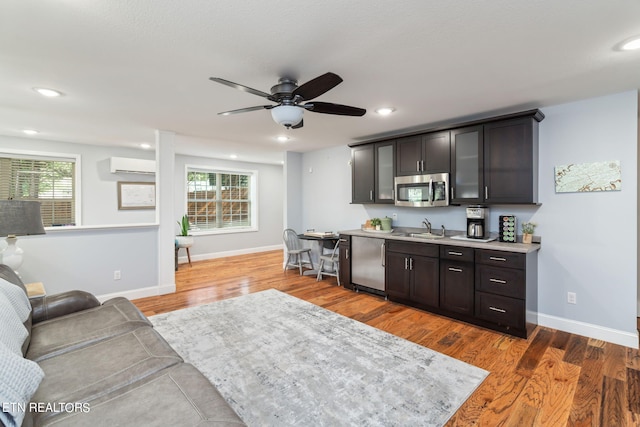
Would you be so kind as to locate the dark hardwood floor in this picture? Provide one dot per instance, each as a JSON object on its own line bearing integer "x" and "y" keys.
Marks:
{"x": 552, "y": 379}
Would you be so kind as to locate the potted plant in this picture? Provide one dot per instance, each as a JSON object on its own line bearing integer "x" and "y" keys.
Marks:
{"x": 376, "y": 223}
{"x": 184, "y": 239}
{"x": 527, "y": 231}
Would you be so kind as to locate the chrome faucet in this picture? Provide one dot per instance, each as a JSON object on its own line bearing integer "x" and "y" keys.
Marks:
{"x": 443, "y": 230}
{"x": 427, "y": 224}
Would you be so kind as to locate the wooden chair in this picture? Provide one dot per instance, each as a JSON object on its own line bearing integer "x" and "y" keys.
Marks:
{"x": 332, "y": 259}
{"x": 295, "y": 250}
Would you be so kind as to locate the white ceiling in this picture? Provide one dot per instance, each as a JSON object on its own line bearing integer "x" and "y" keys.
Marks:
{"x": 127, "y": 68}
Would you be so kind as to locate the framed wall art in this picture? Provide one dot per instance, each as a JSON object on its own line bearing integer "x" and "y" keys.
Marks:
{"x": 136, "y": 195}
{"x": 588, "y": 177}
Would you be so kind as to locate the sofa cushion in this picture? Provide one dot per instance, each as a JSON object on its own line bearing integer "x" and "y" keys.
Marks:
{"x": 12, "y": 332}
{"x": 19, "y": 381}
{"x": 177, "y": 396}
{"x": 18, "y": 299}
{"x": 86, "y": 373}
{"x": 62, "y": 334}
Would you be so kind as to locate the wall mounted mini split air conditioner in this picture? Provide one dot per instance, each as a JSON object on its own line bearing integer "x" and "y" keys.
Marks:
{"x": 127, "y": 165}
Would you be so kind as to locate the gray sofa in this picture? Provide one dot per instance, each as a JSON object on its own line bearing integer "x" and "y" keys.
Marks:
{"x": 67, "y": 360}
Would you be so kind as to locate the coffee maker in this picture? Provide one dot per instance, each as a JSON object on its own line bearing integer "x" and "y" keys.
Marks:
{"x": 476, "y": 226}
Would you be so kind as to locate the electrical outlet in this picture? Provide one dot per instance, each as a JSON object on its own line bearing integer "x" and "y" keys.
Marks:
{"x": 116, "y": 275}
{"x": 571, "y": 298}
{"x": 394, "y": 216}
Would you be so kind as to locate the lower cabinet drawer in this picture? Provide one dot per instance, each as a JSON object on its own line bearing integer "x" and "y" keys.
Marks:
{"x": 508, "y": 282}
{"x": 501, "y": 310}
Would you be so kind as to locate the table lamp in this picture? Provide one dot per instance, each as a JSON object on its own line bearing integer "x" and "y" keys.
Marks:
{"x": 18, "y": 218}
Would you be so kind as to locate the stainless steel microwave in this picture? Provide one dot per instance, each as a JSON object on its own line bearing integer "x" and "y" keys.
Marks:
{"x": 422, "y": 190}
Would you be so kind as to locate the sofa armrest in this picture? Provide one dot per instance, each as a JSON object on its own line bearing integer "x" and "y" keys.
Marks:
{"x": 52, "y": 306}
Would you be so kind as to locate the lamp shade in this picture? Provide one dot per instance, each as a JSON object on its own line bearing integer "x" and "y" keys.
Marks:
{"x": 287, "y": 115}
{"x": 20, "y": 218}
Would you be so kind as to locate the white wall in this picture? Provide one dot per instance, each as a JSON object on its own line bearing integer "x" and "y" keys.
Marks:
{"x": 87, "y": 258}
{"x": 589, "y": 241}
{"x": 270, "y": 211}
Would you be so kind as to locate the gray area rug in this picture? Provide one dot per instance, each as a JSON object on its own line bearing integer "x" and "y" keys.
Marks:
{"x": 282, "y": 361}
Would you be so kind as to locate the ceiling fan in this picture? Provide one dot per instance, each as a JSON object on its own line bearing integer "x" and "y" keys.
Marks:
{"x": 290, "y": 97}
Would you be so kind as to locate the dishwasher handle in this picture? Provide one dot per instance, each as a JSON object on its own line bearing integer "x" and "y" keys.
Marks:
{"x": 382, "y": 254}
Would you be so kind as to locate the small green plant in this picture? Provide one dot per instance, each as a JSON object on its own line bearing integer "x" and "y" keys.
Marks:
{"x": 184, "y": 225}
{"x": 528, "y": 227}
{"x": 376, "y": 221}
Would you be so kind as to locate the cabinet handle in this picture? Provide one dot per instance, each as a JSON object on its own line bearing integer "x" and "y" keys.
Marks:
{"x": 406, "y": 263}
{"x": 371, "y": 195}
{"x": 410, "y": 263}
{"x": 499, "y": 310}
{"x": 495, "y": 258}
{"x": 421, "y": 165}
{"x": 486, "y": 192}
{"x": 453, "y": 192}
{"x": 455, "y": 253}
{"x": 457, "y": 270}
{"x": 502, "y": 282}
{"x": 347, "y": 254}
{"x": 417, "y": 165}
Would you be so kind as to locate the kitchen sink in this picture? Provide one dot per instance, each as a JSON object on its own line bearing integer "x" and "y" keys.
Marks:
{"x": 425, "y": 235}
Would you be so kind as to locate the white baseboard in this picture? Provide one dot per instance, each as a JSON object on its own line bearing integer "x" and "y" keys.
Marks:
{"x": 151, "y": 291}
{"x": 627, "y": 339}
{"x": 214, "y": 255}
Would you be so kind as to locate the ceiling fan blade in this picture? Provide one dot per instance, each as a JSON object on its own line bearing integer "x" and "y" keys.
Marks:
{"x": 299, "y": 125}
{"x": 244, "y": 110}
{"x": 241, "y": 87}
{"x": 318, "y": 86}
{"x": 329, "y": 108}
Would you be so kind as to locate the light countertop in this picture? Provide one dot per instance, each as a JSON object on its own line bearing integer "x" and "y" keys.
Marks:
{"x": 399, "y": 234}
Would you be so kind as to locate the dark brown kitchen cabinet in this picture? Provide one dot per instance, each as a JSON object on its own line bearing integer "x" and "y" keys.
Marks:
{"x": 467, "y": 165}
{"x": 412, "y": 272}
{"x": 457, "y": 279}
{"x": 344, "y": 261}
{"x": 423, "y": 154}
{"x": 506, "y": 290}
{"x": 373, "y": 172}
{"x": 511, "y": 161}
{"x": 362, "y": 174}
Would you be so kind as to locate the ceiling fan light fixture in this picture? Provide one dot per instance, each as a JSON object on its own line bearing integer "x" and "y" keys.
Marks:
{"x": 287, "y": 115}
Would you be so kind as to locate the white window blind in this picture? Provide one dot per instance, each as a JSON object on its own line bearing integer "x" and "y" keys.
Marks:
{"x": 51, "y": 182}
{"x": 220, "y": 199}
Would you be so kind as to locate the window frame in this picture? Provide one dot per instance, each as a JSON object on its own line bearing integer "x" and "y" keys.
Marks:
{"x": 56, "y": 157}
{"x": 253, "y": 185}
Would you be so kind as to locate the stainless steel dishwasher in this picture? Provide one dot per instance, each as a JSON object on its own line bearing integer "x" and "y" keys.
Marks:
{"x": 367, "y": 262}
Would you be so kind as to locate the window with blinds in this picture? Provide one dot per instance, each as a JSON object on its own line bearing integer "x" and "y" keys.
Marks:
{"x": 51, "y": 182}
{"x": 220, "y": 199}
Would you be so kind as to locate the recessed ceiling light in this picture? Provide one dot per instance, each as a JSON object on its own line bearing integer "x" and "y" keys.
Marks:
{"x": 30, "y": 131}
{"x": 145, "y": 145}
{"x": 385, "y": 111}
{"x": 233, "y": 156}
{"x": 49, "y": 93}
{"x": 282, "y": 138}
{"x": 631, "y": 44}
